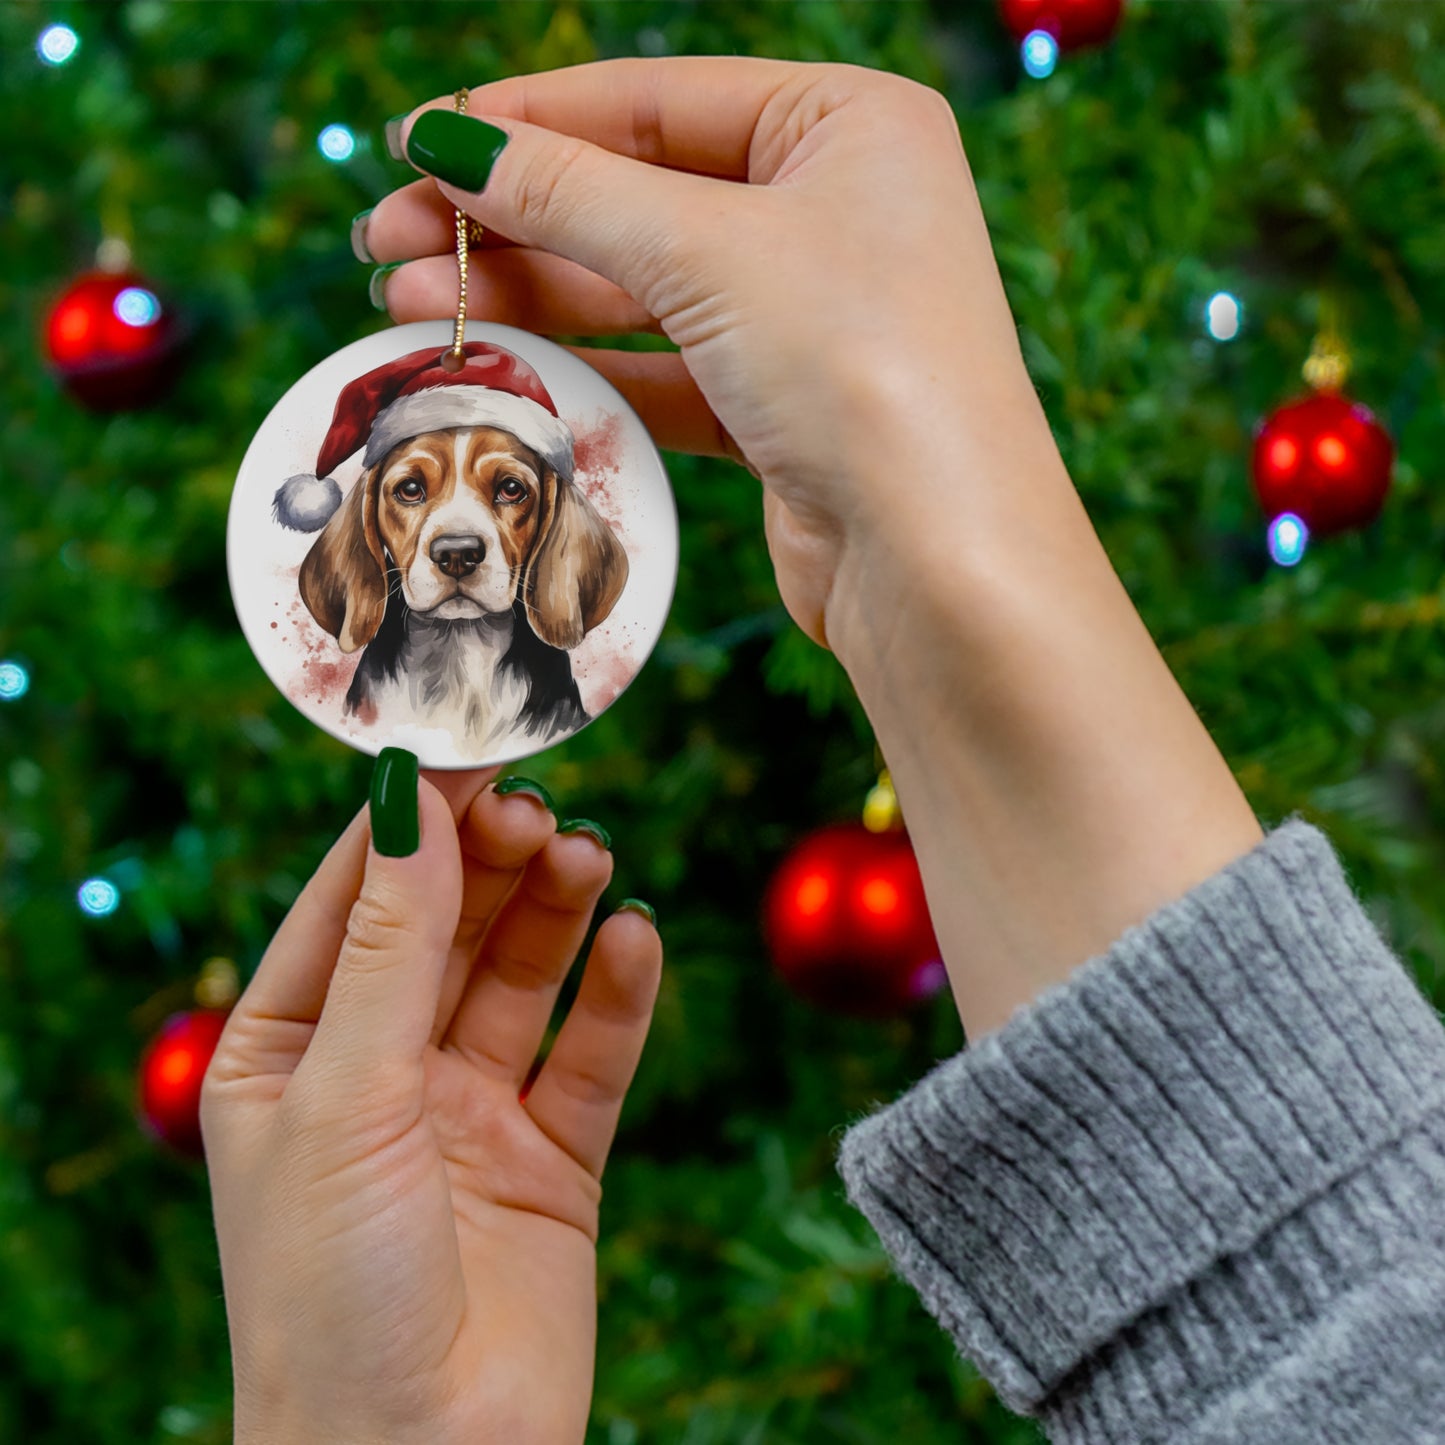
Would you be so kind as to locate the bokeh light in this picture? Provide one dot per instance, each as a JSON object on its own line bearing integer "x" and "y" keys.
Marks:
{"x": 57, "y": 44}
{"x": 1282, "y": 454}
{"x": 137, "y": 307}
{"x": 14, "y": 681}
{"x": 929, "y": 979}
{"x": 813, "y": 894}
{"x": 336, "y": 143}
{"x": 1040, "y": 53}
{"x": 879, "y": 897}
{"x": 98, "y": 897}
{"x": 1288, "y": 538}
{"x": 1223, "y": 316}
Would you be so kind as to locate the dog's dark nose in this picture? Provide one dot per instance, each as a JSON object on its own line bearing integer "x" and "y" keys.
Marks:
{"x": 457, "y": 556}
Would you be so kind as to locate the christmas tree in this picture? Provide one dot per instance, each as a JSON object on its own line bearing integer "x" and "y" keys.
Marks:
{"x": 1211, "y": 162}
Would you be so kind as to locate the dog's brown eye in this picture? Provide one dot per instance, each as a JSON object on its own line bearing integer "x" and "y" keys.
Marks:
{"x": 511, "y": 490}
{"x": 410, "y": 490}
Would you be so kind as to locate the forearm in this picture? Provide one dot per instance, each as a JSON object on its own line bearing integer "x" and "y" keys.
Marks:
{"x": 1057, "y": 784}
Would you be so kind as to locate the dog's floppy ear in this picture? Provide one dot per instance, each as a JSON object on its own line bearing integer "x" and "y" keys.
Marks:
{"x": 343, "y": 579}
{"x": 577, "y": 569}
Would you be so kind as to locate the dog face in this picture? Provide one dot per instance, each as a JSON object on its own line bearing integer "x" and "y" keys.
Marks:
{"x": 458, "y": 513}
{"x": 470, "y": 519}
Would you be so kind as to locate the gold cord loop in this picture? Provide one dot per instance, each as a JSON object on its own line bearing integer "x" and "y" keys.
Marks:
{"x": 469, "y": 233}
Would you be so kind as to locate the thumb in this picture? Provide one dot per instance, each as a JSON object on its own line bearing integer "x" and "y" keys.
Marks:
{"x": 382, "y": 999}
{"x": 635, "y": 224}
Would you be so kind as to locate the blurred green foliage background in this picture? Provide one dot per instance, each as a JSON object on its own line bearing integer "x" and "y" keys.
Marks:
{"x": 1284, "y": 152}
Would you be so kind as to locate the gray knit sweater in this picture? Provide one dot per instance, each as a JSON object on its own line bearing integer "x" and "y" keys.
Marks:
{"x": 1196, "y": 1192}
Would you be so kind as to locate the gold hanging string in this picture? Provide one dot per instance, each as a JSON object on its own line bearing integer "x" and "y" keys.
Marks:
{"x": 469, "y": 233}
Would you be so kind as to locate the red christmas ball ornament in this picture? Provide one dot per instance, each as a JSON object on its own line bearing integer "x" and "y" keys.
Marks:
{"x": 112, "y": 341}
{"x": 171, "y": 1071}
{"x": 847, "y": 924}
{"x": 1073, "y": 23}
{"x": 1324, "y": 458}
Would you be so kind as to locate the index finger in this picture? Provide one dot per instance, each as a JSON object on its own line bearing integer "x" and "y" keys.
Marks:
{"x": 695, "y": 113}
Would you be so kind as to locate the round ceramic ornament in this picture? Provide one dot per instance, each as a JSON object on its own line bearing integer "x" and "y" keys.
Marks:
{"x": 468, "y": 555}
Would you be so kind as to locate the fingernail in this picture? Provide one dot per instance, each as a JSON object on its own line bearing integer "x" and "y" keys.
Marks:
{"x": 359, "y": 247}
{"x": 395, "y": 821}
{"x": 376, "y": 288}
{"x": 586, "y": 825}
{"x": 393, "y": 136}
{"x": 455, "y": 148}
{"x": 636, "y": 905}
{"x": 525, "y": 785}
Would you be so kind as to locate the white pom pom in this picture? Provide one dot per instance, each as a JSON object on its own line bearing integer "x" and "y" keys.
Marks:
{"x": 305, "y": 503}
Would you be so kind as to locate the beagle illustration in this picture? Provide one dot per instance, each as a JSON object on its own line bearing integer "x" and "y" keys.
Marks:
{"x": 464, "y": 564}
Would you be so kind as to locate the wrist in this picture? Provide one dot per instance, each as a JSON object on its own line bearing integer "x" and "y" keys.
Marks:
{"x": 936, "y": 535}
{"x": 1057, "y": 784}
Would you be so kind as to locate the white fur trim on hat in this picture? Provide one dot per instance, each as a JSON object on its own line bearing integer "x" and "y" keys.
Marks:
{"x": 440, "y": 407}
{"x": 305, "y": 503}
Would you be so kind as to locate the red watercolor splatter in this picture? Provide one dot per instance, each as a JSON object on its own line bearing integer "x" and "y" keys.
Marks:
{"x": 596, "y": 458}
{"x": 325, "y": 672}
{"x": 330, "y": 679}
{"x": 598, "y": 449}
{"x": 606, "y": 678}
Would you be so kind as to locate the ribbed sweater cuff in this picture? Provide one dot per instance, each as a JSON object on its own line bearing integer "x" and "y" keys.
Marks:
{"x": 1144, "y": 1165}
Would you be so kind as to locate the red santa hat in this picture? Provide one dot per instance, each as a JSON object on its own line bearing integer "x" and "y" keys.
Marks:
{"x": 416, "y": 394}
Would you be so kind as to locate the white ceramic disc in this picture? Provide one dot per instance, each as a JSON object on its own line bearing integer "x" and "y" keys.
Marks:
{"x": 485, "y": 562}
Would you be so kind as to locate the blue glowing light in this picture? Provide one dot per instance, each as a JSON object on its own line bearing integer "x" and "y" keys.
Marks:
{"x": 14, "y": 681}
{"x": 57, "y": 44}
{"x": 1223, "y": 316}
{"x": 336, "y": 143}
{"x": 1288, "y": 538}
{"x": 98, "y": 897}
{"x": 137, "y": 307}
{"x": 1040, "y": 53}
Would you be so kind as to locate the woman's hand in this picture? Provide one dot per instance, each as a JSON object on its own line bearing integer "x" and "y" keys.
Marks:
{"x": 407, "y": 1246}
{"x": 808, "y": 235}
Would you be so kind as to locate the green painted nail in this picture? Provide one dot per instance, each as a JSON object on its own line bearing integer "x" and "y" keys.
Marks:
{"x": 455, "y": 148}
{"x": 376, "y": 288}
{"x": 359, "y": 247}
{"x": 395, "y": 821}
{"x": 526, "y": 785}
{"x": 636, "y": 905}
{"x": 392, "y": 133}
{"x": 586, "y": 825}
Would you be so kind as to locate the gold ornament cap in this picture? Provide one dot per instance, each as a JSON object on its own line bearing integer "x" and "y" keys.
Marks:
{"x": 1328, "y": 366}
{"x": 219, "y": 985}
{"x": 881, "y": 813}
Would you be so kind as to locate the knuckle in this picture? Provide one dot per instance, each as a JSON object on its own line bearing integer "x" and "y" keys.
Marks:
{"x": 939, "y": 106}
{"x": 543, "y": 185}
{"x": 374, "y": 934}
{"x": 517, "y": 970}
{"x": 228, "y": 1065}
{"x": 847, "y": 76}
{"x": 588, "y": 1085}
{"x": 648, "y": 140}
{"x": 924, "y": 101}
{"x": 210, "y": 1102}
